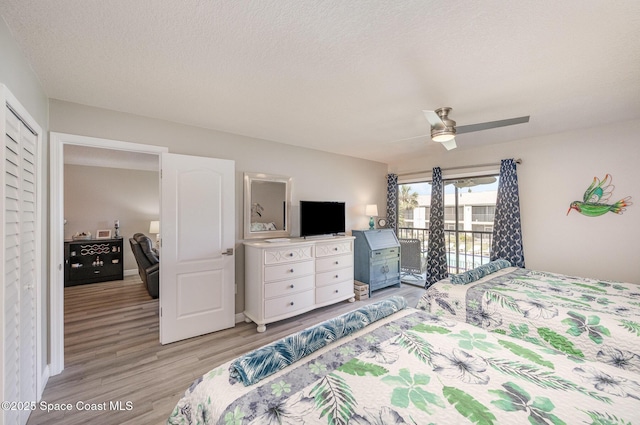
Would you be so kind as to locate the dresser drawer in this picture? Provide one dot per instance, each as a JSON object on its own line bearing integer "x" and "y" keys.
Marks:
{"x": 334, "y": 248}
{"x": 290, "y": 286}
{"x": 288, "y": 255}
{"x": 81, "y": 273}
{"x": 385, "y": 253}
{"x": 338, "y": 290}
{"x": 288, "y": 271}
{"x": 288, "y": 304}
{"x": 334, "y": 276}
{"x": 333, "y": 263}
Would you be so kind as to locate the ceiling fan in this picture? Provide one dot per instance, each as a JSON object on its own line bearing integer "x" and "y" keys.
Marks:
{"x": 474, "y": 181}
{"x": 444, "y": 130}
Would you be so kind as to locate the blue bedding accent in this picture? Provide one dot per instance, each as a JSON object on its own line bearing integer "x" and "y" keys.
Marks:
{"x": 265, "y": 361}
{"x": 479, "y": 272}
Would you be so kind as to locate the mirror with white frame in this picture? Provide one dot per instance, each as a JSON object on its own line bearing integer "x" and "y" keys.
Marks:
{"x": 267, "y": 206}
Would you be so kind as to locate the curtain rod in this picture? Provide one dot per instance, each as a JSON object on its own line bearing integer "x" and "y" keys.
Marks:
{"x": 517, "y": 161}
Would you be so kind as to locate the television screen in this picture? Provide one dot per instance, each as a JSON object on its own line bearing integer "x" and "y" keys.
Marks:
{"x": 321, "y": 218}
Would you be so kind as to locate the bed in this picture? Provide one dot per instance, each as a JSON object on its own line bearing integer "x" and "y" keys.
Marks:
{"x": 386, "y": 363}
{"x": 586, "y": 318}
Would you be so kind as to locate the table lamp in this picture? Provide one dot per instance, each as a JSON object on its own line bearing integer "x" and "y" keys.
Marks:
{"x": 371, "y": 210}
{"x": 154, "y": 228}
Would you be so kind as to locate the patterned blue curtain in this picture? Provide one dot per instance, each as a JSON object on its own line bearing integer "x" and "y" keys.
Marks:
{"x": 507, "y": 229}
{"x": 392, "y": 201}
{"x": 436, "y": 251}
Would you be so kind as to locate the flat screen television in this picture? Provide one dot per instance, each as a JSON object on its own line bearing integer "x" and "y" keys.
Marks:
{"x": 321, "y": 218}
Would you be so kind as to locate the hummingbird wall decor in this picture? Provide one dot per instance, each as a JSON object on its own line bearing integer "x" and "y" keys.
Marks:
{"x": 596, "y": 198}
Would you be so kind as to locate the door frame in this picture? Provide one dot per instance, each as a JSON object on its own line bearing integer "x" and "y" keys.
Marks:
{"x": 56, "y": 225}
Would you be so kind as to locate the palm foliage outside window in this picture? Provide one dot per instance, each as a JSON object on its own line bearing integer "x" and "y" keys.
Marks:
{"x": 408, "y": 202}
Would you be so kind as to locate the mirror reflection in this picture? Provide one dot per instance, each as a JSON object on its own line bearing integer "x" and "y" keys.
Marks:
{"x": 267, "y": 200}
{"x": 268, "y": 206}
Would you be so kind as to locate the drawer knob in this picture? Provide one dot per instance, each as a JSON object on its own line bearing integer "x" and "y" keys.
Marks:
{"x": 290, "y": 254}
{"x": 291, "y": 302}
{"x": 291, "y": 286}
{"x": 337, "y": 262}
{"x": 336, "y": 291}
{"x": 291, "y": 271}
{"x": 337, "y": 276}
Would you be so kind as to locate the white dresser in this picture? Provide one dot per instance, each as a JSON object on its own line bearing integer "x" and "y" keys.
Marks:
{"x": 285, "y": 279}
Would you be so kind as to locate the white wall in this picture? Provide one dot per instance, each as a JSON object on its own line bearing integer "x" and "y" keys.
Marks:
{"x": 94, "y": 197}
{"x": 316, "y": 175}
{"x": 556, "y": 170}
{"x": 16, "y": 74}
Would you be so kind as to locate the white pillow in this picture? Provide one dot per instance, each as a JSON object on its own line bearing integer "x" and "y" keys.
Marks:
{"x": 261, "y": 227}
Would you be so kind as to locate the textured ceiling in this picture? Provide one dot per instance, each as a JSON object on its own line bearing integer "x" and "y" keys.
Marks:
{"x": 348, "y": 77}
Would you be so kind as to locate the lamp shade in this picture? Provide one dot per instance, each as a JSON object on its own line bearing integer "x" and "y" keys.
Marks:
{"x": 371, "y": 210}
{"x": 154, "y": 227}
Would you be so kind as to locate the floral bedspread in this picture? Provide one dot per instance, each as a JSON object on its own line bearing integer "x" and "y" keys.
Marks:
{"x": 413, "y": 367}
{"x": 585, "y": 318}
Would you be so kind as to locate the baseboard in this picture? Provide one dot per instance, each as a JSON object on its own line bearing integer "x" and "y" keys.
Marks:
{"x": 42, "y": 382}
{"x": 239, "y": 317}
{"x": 130, "y": 272}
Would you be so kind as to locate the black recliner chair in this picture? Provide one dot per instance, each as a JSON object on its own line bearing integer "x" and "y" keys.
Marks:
{"x": 148, "y": 262}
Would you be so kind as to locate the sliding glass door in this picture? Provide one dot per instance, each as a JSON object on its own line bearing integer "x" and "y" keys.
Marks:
{"x": 469, "y": 211}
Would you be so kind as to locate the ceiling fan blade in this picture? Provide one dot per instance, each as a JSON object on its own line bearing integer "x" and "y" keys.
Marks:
{"x": 433, "y": 118}
{"x": 484, "y": 180}
{"x": 451, "y": 144}
{"x": 462, "y": 183}
{"x": 491, "y": 124}
{"x": 410, "y": 138}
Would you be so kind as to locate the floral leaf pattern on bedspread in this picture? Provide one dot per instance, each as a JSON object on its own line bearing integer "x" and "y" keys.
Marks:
{"x": 417, "y": 368}
{"x": 256, "y": 365}
{"x": 585, "y": 318}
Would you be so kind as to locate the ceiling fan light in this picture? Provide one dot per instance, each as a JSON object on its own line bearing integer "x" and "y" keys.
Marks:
{"x": 443, "y": 135}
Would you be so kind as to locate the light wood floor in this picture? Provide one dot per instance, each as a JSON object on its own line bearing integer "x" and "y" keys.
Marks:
{"x": 112, "y": 353}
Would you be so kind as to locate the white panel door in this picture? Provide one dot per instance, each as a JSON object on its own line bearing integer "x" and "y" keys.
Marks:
{"x": 197, "y": 228}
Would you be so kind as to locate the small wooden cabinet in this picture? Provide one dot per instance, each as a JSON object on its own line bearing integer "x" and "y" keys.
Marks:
{"x": 377, "y": 258}
{"x": 285, "y": 279}
{"x": 91, "y": 261}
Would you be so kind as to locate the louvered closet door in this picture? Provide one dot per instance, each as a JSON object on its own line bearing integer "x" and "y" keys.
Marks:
{"x": 19, "y": 265}
{"x": 27, "y": 268}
